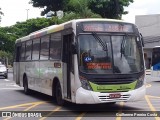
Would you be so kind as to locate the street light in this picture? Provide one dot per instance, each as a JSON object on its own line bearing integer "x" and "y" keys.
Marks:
{"x": 27, "y": 13}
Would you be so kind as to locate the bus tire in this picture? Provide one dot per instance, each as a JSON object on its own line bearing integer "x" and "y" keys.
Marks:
{"x": 58, "y": 95}
{"x": 25, "y": 85}
{"x": 6, "y": 76}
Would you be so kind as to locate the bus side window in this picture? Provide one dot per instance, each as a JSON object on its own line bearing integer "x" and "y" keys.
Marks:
{"x": 55, "y": 46}
{"x": 22, "y": 55}
{"x": 28, "y": 50}
{"x": 36, "y": 48}
{"x": 44, "y": 52}
{"x": 17, "y": 53}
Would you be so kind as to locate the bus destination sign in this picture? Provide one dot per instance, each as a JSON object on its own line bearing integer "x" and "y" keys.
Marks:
{"x": 107, "y": 27}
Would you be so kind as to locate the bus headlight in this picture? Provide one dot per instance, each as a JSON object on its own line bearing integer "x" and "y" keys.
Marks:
{"x": 140, "y": 82}
{"x": 85, "y": 84}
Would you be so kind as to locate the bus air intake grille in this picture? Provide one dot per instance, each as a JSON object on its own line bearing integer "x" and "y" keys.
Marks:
{"x": 105, "y": 81}
{"x": 108, "y": 99}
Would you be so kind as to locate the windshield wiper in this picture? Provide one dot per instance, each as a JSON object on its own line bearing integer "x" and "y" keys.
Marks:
{"x": 102, "y": 44}
{"x": 123, "y": 44}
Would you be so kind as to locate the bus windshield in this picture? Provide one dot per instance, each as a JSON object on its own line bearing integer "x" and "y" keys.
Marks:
{"x": 106, "y": 54}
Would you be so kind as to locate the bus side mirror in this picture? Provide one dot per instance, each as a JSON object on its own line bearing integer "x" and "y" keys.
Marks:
{"x": 74, "y": 50}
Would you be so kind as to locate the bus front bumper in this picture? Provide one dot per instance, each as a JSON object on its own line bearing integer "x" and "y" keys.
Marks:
{"x": 90, "y": 97}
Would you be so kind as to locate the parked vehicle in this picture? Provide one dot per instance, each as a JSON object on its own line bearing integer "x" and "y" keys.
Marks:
{"x": 3, "y": 71}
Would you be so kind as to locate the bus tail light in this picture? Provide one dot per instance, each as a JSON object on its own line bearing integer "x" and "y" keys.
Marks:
{"x": 85, "y": 84}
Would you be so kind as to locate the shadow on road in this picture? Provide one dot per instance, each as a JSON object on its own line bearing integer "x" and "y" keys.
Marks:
{"x": 37, "y": 95}
{"x": 78, "y": 108}
{"x": 158, "y": 81}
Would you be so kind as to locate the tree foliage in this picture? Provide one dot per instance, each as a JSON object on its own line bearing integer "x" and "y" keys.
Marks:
{"x": 6, "y": 55}
{"x": 6, "y": 45}
{"x": 31, "y": 25}
{"x": 8, "y": 35}
{"x": 109, "y": 8}
{"x": 49, "y": 5}
{"x": 6, "y": 41}
{"x": 1, "y": 13}
{"x": 80, "y": 7}
{"x": 105, "y": 8}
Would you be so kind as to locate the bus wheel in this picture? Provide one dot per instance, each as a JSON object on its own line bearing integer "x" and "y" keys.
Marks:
{"x": 58, "y": 95}
{"x": 26, "y": 89}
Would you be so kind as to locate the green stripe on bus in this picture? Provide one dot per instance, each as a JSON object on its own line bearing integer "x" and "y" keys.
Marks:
{"x": 113, "y": 88}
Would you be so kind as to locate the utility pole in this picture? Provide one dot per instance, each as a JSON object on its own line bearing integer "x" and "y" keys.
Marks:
{"x": 27, "y": 13}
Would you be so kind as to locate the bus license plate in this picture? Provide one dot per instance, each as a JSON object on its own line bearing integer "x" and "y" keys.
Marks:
{"x": 114, "y": 95}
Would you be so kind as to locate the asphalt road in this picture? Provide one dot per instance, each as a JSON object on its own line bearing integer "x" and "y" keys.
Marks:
{"x": 13, "y": 99}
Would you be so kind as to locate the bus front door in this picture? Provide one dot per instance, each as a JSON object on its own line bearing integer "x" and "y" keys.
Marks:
{"x": 67, "y": 63}
{"x": 16, "y": 68}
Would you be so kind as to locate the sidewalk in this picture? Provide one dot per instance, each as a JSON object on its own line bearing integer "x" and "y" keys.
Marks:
{"x": 10, "y": 70}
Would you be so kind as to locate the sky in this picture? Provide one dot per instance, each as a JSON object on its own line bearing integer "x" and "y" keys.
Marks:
{"x": 16, "y": 10}
{"x": 141, "y": 7}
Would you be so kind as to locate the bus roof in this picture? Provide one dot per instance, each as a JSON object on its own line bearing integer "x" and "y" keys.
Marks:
{"x": 55, "y": 28}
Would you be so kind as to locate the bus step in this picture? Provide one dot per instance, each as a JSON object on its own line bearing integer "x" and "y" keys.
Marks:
{"x": 148, "y": 72}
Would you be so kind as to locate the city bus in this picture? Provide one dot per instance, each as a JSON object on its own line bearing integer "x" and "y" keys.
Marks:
{"x": 84, "y": 61}
{"x": 155, "y": 62}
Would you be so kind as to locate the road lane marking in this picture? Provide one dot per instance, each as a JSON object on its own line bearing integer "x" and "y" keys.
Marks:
{"x": 120, "y": 111}
{"x": 28, "y": 108}
{"x": 53, "y": 111}
{"x": 6, "y": 80}
{"x": 157, "y": 97}
{"x": 20, "y": 105}
{"x": 36, "y": 104}
{"x": 148, "y": 85}
{"x": 151, "y": 106}
{"x": 12, "y": 84}
{"x": 14, "y": 88}
{"x": 7, "y": 118}
{"x": 80, "y": 116}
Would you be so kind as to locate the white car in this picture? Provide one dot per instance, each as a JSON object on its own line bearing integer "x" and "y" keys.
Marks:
{"x": 3, "y": 71}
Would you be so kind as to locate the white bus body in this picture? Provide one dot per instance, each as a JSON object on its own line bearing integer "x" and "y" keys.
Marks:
{"x": 50, "y": 61}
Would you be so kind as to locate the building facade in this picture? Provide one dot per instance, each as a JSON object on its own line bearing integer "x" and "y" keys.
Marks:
{"x": 149, "y": 26}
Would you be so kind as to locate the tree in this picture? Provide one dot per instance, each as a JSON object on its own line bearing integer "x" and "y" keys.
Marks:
{"x": 50, "y": 5}
{"x": 4, "y": 56}
{"x": 7, "y": 42}
{"x": 32, "y": 25}
{"x": 81, "y": 7}
{"x": 109, "y": 8}
{"x": 68, "y": 6}
{"x": 8, "y": 35}
{"x": 1, "y": 13}
{"x": 105, "y": 8}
